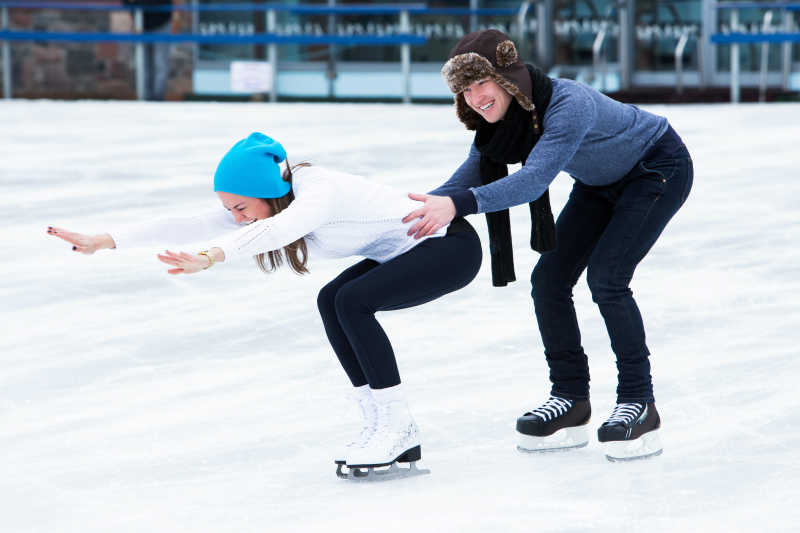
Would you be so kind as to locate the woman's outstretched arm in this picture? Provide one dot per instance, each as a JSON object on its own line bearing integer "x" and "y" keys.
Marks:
{"x": 184, "y": 263}
{"x": 85, "y": 244}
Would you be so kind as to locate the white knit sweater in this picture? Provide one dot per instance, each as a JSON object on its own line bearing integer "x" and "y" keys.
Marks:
{"x": 339, "y": 215}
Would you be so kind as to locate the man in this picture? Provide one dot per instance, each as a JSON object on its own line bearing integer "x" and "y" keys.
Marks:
{"x": 632, "y": 173}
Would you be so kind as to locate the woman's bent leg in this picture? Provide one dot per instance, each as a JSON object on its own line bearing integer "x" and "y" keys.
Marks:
{"x": 333, "y": 329}
{"x": 433, "y": 268}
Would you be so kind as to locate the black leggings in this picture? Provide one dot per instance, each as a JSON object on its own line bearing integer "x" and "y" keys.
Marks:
{"x": 348, "y": 304}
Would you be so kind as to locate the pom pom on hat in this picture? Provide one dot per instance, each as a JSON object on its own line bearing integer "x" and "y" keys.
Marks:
{"x": 506, "y": 54}
{"x": 251, "y": 168}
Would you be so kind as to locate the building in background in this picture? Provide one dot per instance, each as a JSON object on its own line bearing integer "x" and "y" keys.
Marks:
{"x": 620, "y": 46}
{"x": 59, "y": 69}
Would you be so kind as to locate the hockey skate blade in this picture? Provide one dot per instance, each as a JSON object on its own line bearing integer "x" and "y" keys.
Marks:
{"x": 372, "y": 473}
{"x": 648, "y": 445}
{"x": 562, "y": 440}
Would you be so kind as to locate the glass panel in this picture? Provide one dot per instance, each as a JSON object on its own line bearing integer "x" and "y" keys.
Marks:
{"x": 577, "y": 23}
{"x": 442, "y": 31}
{"x": 228, "y": 23}
{"x": 659, "y": 26}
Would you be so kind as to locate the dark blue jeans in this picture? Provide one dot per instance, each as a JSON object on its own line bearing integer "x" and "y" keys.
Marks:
{"x": 348, "y": 304}
{"x": 606, "y": 231}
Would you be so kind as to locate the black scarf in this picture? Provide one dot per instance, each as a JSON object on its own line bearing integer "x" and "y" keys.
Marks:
{"x": 510, "y": 141}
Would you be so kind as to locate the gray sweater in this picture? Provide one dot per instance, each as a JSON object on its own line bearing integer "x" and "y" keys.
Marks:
{"x": 593, "y": 138}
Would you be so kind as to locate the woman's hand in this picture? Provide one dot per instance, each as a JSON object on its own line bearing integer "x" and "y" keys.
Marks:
{"x": 85, "y": 244}
{"x": 437, "y": 212}
{"x": 185, "y": 263}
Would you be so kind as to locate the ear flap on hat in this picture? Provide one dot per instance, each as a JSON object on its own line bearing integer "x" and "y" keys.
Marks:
{"x": 465, "y": 113}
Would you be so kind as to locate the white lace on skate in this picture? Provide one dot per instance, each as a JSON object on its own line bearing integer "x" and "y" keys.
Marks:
{"x": 394, "y": 440}
{"x": 647, "y": 445}
{"x": 369, "y": 417}
{"x": 625, "y": 413}
{"x": 552, "y": 408}
{"x": 390, "y": 438}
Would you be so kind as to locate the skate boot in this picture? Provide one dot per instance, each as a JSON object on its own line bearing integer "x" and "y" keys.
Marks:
{"x": 631, "y": 432}
{"x": 395, "y": 440}
{"x": 362, "y": 398}
{"x": 559, "y": 424}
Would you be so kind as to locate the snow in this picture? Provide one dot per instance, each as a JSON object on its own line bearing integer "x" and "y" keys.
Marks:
{"x": 131, "y": 400}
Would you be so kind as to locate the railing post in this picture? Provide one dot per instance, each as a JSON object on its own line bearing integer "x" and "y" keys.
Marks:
{"x": 788, "y": 23}
{"x": 195, "y": 29}
{"x": 473, "y": 17}
{"x": 762, "y": 86}
{"x": 684, "y": 38}
{"x": 272, "y": 55}
{"x": 330, "y": 71}
{"x": 627, "y": 27}
{"x": 544, "y": 33}
{"x": 734, "y": 59}
{"x": 405, "y": 57}
{"x": 138, "y": 24}
{"x": 521, "y": 13}
{"x": 598, "y": 58}
{"x": 707, "y": 51}
{"x": 6, "y": 56}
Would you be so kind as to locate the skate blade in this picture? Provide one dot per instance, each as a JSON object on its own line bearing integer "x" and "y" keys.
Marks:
{"x": 561, "y": 441}
{"x": 646, "y": 446}
{"x": 371, "y": 473}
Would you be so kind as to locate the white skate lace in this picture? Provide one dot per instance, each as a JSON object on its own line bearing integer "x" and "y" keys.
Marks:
{"x": 385, "y": 434}
{"x": 552, "y": 408}
{"x": 625, "y": 413}
{"x": 369, "y": 417}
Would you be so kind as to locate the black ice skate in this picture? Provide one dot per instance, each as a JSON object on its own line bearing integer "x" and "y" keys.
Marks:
{"x": 559, "y": 424}
{"x": 631, "y": 432}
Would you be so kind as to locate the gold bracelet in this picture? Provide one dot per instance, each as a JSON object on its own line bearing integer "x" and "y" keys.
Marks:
{"x": 210, "y": 258}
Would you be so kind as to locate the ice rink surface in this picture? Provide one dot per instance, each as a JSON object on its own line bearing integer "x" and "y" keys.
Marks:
{"x": 135, "y": 401}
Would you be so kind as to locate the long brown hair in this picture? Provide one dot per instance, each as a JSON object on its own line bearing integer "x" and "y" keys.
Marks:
{"x": 297, "y": 252}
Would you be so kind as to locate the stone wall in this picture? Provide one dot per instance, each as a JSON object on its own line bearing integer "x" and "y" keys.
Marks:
{"x": 84, "y": 70}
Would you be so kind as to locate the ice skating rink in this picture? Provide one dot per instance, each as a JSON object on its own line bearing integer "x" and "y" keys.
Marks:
{"x": 134, "y": 401}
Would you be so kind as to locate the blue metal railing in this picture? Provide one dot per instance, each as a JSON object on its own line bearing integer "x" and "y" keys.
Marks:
{"x": 791, "y": 6}
{"x": 350, "y": 9}
{"x": 271, "y": 38}
{"x": 264, "y": 38}
{"x": 730, "y": 38}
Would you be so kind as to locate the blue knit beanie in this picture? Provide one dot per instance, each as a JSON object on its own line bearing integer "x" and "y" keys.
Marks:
{"x": 251, "y": 169}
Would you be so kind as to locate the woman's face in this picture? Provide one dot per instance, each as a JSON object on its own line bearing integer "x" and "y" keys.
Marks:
{"x": 244, "y": 208}
{"x": 488, "y": 99}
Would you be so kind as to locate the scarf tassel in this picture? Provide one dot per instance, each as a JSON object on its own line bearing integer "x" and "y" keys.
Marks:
{"x": 543, "y": 229}
{"x": 500, "y": 248}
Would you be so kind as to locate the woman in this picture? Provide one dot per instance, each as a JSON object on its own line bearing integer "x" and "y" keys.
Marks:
{"x": 307, "y": 211}
{"x": 632, "y": 173}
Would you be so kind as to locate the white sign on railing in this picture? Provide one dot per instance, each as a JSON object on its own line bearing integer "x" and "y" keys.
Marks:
{"x": 251, "y": 77}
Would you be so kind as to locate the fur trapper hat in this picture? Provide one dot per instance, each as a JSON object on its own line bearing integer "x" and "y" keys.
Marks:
{"x": 486, "y": 54}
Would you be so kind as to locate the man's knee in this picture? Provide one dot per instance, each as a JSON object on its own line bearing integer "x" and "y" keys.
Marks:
{"x": 548, "y": 280}
{"x": 605, "y": 285}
